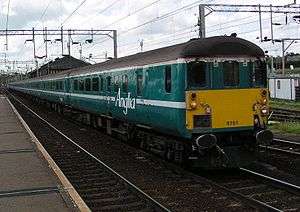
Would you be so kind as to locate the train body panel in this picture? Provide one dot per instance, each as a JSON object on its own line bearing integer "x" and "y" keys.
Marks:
{"x": 236, "y": 111}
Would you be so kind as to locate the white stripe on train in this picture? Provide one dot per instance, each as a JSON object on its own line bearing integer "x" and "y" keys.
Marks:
{"x": 148, "y": 102}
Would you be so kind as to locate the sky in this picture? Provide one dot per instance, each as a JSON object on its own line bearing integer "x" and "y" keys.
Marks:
{"x": 154, "y": 23}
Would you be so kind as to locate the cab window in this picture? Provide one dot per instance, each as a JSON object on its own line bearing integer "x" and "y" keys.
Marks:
{"x": 259, "y": 75}
{"x": 196, "y": 74}
{"x": 231, "y": 74}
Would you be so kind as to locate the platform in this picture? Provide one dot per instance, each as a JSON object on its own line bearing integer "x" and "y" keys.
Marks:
{"x": 26, "y": 179}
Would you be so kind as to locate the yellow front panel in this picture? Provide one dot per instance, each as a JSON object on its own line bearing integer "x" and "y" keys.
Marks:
{"x": 229, "y": 107}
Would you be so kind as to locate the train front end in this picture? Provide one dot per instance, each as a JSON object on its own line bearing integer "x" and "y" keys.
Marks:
{"x": 227, "y": 109}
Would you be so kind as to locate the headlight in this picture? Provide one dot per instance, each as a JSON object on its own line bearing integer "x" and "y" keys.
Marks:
{"x": 208, "y": 110}
{"x": 264, "y": 100}
{"x": 193, "y": 105}
{"x": 264, "y": 110}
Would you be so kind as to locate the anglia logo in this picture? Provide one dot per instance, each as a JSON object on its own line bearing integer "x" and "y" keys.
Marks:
{"x": 126, "y": 103}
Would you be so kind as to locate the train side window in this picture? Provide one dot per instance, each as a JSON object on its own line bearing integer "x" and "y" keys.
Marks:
{"x": 101, "y": 84}
{"x": 57, "y": 85}
{"x": 139, "y": 84}
{"x": 168, "y": 78}
{"x": 95, "y": 84}
{"x": 87, "y": 84}
{"x": 125, "y": 83}
{"x": 196, "y": 74}
{"x": 116, "y": 84}
{"x": 231, "y": 73}
{"x": 61, "y": 85}
{"x": 108, "y": 83}
{"x": 75, "y": 85}
{"x": 81, "y": 85}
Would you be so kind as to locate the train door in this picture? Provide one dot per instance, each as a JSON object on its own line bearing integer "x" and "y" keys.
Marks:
{"x": 140, "y": 108}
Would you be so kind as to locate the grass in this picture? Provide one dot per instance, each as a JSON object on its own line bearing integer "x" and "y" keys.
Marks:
{"x": 285, "y": 104}
{"x": 286, "y": 127}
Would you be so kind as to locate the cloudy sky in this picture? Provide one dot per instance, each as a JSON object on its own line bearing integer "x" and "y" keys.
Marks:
{"x": 156, "y": 23}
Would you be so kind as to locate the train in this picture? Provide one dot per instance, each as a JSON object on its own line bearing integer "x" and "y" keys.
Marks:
{"x": 204, "y": 102}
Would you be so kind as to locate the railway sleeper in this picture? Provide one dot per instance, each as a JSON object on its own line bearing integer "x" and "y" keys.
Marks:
{"x": 106, "y": 194}
{"x": 130, "y": 206}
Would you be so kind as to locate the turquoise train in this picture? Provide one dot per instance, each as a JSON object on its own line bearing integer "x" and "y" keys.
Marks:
{"x": 203, "y": 102}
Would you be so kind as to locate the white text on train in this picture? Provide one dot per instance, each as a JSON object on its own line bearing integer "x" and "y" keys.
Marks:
{"x": 126, "y": 103}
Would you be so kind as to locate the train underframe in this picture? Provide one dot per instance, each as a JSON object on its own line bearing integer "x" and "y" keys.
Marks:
{"x": 222, "y": 150}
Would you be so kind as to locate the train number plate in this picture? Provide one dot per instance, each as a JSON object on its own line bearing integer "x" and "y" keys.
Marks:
{"x": 232, "y": 122}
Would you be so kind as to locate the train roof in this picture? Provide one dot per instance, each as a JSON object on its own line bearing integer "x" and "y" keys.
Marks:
{"x": 218, "y": 46}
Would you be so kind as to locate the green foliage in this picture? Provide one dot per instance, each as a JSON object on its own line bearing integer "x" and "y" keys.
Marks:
{"x": 285, "y": 104}
{"x": 286, "y": 127}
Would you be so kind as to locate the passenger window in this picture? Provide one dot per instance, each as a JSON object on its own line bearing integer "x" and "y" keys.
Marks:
{"x": 231, "y": 73}
{"x": 52, "y": 85}
{"x": 168, "y": 77}
{"x": 139, "y": 84}
{"x": 95, "y": 84}
{"x": 87, "y": 84}
{"x": 75, "y": 85}
{"x": 101, "y": 84}
{"x": 59, "y": 85}
{"x": 108, "y": 82}
{"x": 116, "y": 84}
{"x": 81, "y": 85}
{"x": 125, "y": 83}
{"x": 196, "y": 74}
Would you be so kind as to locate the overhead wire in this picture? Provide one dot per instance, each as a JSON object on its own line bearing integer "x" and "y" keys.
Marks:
{"x": 44, "y": 12}
{"x": 130, "y": 14}
{"x": 72, "y": 13}
{"x": 162, "y": 17}
{"x": 161, "y": 37}
{"x": 226, "y": 27}
{"x": 109, "y": 6}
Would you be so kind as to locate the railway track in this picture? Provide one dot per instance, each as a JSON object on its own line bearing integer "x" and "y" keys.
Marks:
{"x": 284, "y": 147}
{"x": 289, "y": 147}
{"x": 95, "y": 186}
{"x": 282, "y": 154}
{"x": 279, "y": 114}
{"x": 270, "y": 193}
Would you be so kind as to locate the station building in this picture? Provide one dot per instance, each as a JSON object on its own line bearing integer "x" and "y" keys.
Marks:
{"x": 285, "y": 87}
